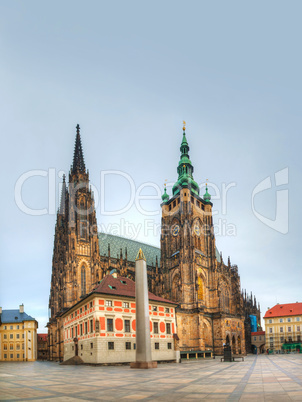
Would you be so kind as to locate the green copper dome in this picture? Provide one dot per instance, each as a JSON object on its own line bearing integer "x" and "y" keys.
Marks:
{"x": 206, "y": 195}
{"x": 165, "y": 196}
{"x": 185, "y": 170}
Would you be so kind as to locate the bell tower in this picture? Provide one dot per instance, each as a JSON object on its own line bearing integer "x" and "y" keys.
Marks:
{"x": 187, "y": 240}
{"x": 187, "y": 252}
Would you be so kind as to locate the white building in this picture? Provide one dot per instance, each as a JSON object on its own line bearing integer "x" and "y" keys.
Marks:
{"x": 103, "y": 324}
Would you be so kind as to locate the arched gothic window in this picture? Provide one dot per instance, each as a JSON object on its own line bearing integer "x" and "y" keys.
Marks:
{"x": 200, "y": 289}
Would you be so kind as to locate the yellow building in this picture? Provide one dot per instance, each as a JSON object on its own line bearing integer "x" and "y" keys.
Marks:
{"x": 283, "y": 324}
{"x": 18, "y": 335}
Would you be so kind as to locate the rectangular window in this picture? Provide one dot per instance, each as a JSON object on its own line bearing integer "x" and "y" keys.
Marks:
{"x": 85, "y": 307}
{"x": 298, "y": 328}
{"x": 91, "y": 326}
{"x": 109, "y": 303}
{"x": 167, "y": 310}
{"x": 270, "y": 321}
{"x": 86, "y": 328}
{"x": 5, "y": 347}
{"x": 81, "y": 346}
{"x": 76, "y": 331}
{"x": 91, "y": 345}
{"x": 126, "y": 305}
{"x": 5, "y": 356}
{"x": 90, "y": 304}
{"x": 281, "y": 329}
{"x": 155, "y": 327}
{"x": 128, "y": 345}
{"x": 260, "y": 338}
{"x": 255, "y": 338}
{"x": 282, "y": 339}
{"x": 5, "y": 327}
{"x": 168, "y": 328}
{"x": 169, "y": 345}
{"x": 288, "y": 320}
{"x": 111, "y": 345}
{"x": 11, "y": 347}
{"x": 270, "y": 330}
{"x": 18, "y": 346}
{"x": 289, "y": 329}
{"x": 298, "y": 318}
{"x": 11, "y": 336}
{"x": 72, "y": 332}
{"x": 4, "y": 336}
{"x": 281, "y": 319}
{"x": 23, "y": 336}
{"x": 18, "y": 327}
{"x": 156, "y": 345}
{"x": 18, "y": 336}
{"x": 11, "y": 327}
{"x": 109, "y": 324}
{"x": 22, "y": 345}
{"x": 127, "y": 325}
{"x": 134, "y": 346}
{"x": 18, "y": 355}
{"x": 81, "y": 329}
{"x": 154, "y": 308}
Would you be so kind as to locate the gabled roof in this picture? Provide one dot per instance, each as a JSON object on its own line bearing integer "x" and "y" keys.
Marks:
{"x": 117, "y": 243}
{"x": 42, "y": 337}
{"x": 14, "y": 316}
{"x": 258, "y": 333}
{"x": 121, "y": 286}
{"x": 283, "y": 310}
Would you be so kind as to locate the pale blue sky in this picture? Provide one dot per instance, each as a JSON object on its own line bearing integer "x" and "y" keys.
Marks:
{"x": 129, "y": 73}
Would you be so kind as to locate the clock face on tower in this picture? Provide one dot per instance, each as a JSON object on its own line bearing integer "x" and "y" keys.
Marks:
{"x": 197, "y": 230}
{"x": 175, "y": 230}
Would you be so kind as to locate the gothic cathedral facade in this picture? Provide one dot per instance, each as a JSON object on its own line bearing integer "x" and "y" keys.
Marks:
{"x": 187, "y": 269}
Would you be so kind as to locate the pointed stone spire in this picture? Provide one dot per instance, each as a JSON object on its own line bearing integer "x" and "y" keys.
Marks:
{"x": 63, "y": 197}
{"x": 78, "y": 158}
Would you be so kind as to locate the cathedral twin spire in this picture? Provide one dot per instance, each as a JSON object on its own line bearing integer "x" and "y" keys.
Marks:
{"x": 78, "y": 158}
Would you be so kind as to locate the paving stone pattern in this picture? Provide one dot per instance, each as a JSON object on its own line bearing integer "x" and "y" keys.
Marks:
{"x": 258, "y": 378}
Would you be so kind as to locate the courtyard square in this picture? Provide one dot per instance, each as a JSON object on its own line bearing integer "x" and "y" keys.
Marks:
{"x": 258, "y": 378}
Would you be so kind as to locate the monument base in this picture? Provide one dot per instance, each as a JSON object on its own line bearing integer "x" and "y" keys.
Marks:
{"x": 143, "y": 365}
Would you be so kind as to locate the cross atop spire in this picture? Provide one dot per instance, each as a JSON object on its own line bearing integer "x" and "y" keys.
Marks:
{"x": 78, "y": 158}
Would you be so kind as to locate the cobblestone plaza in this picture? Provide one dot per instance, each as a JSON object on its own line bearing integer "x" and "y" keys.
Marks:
{"x": 258, "y": 378}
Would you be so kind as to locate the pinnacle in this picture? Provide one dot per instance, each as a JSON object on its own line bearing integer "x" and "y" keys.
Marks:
{"x": 78, "y": 158}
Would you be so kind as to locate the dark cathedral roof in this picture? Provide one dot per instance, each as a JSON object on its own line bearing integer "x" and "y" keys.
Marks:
{"x": 117, "y": 243}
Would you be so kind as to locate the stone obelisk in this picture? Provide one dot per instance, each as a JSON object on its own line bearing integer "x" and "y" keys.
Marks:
{"x": 143, "y": 339}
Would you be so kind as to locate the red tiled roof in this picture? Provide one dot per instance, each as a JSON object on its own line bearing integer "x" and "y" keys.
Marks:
{"x": 42, "y": 337}
{"x": 283, "y": 310}
{"x": 258, "y": 333}
{"x": 121, "y": 286}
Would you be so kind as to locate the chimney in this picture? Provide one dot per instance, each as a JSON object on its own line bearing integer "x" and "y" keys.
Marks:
{"x": 0, "y": 310}
{"x": 21, "y": 308}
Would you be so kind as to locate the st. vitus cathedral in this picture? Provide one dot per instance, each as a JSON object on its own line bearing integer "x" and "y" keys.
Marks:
{"x": 188, "y": 269}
